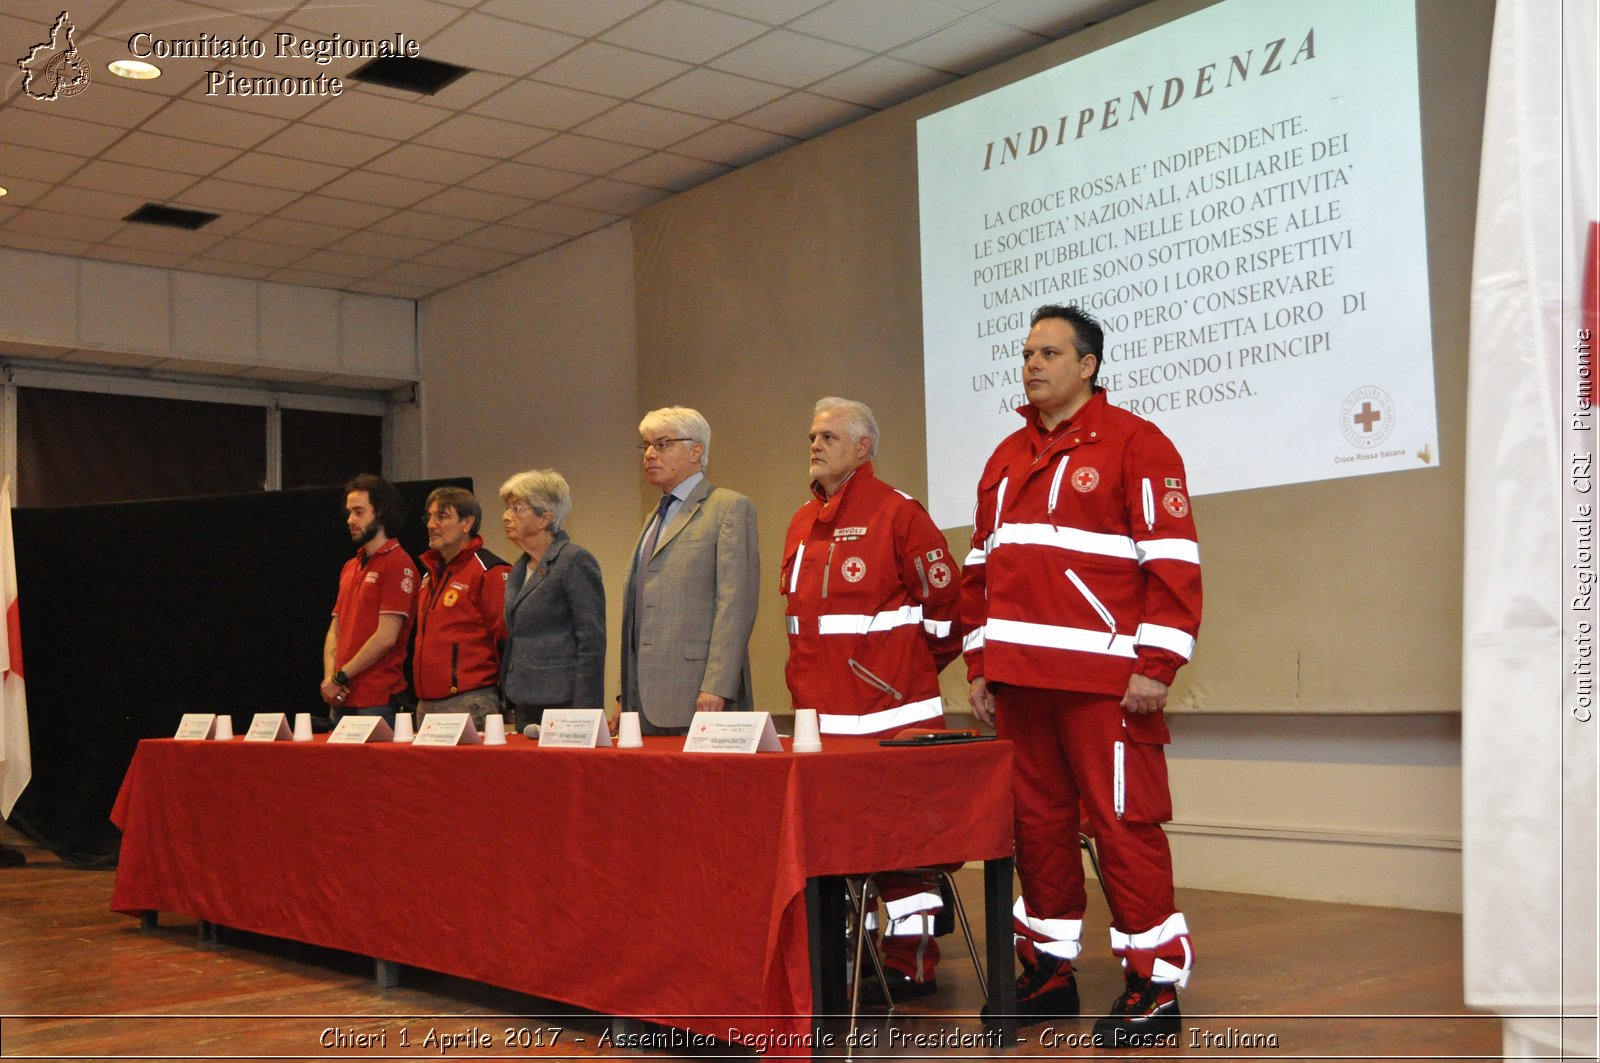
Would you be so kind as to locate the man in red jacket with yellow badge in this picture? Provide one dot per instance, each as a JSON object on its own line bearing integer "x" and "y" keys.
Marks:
{"x": 872, "y": 597}
{"x": 461, "y": 622}
{"x": 1081, "y": 599}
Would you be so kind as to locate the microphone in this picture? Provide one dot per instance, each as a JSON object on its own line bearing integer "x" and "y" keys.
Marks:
{"x": 531, "y": 731}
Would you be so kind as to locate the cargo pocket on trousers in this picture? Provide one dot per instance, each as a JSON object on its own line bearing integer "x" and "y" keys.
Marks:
{"x": 1139, "y": 780}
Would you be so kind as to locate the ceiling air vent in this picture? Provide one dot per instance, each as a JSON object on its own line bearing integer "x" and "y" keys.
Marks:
{"x": 422, "y": 76}
{"x": 171, "y": 217}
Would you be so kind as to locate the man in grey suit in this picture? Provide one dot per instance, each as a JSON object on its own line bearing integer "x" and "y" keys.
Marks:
{"x": 692, "y": 586}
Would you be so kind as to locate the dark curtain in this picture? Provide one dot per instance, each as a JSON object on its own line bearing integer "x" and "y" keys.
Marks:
{"x": 134, "y": 613}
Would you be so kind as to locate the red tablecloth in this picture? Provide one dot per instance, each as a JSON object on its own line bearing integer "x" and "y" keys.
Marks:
{"x": 644, "y": 882}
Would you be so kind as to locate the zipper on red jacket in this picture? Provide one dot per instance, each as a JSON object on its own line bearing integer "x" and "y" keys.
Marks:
{"x": 827, "y": 568}
{"x": 455, "y": 658}
{"x": 866, "y": 676}
{"x": 921, "y": 575}
{"x": 1055, "y": 487}
{"x": 1095, "y": 603}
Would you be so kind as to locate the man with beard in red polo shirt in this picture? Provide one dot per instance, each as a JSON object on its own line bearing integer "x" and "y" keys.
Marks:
{"x": 364, "y": 653}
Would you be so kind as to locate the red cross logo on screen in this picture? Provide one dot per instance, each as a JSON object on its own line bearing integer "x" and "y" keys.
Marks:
{"x": 1367, "y": 417}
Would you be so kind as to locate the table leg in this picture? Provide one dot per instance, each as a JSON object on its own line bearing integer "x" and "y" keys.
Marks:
{"x": 385, "y": 973}
{"x": 209, "y": 934}
{"x": 1002, "y": 956}
{"x": 149, "y": 920}
{"x": 825, "y": 916}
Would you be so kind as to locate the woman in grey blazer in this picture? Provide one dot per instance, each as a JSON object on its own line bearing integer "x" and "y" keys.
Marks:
{"x": 555, "y": 654}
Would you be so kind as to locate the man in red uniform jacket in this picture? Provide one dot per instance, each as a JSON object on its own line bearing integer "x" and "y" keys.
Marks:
{"x": 1081, "y": 599}
{"x": 364, "y": 653}
{"x": 461, "y": 621}
{"x": 872, "y": 598}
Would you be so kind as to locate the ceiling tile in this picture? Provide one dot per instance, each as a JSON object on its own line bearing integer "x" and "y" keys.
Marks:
{"x": 383, "y": 245}
{"x": 521, "y": 242}
{"x": 460, "y": 94}
{"x": 672, "y": 172}
{"x": 246, "y": 270}
{"x": 256, "y": 252}
{"x": 1054, "y": 19}
{"x": 89, "y": 203}
{"x": 585, "y": 18}
{"x": 17, "y": 160}
{"x": 430, "y": 164}
{"x": 683, "y": 31}
{"x": 379, "y": 116}
{"x": 140, "y": 256}
{"x": 158, "y": 185}
{"x": 431, "y": 277}
{"x": 24, "y": 191}
{"x": 483, "y": 42}
{"x": 975, "y": 43}
{"x": 735, "y": 145}
{"x": 303, "y": 234}
{"x": 876, "y": 25}
{"x": 529, "y": 182}
{"x": 108, "y": 102}
{"x": 434, "y": 227}
{"x": 713, "y": 93}
{"x": 49, "y": 242}
{"x": 555, "y": 218}
{"x": 216, "y": 194}
{"x": 342, "y": 264}
{"x": 333, "y": 211}
{"x": 380, "y": 189}
{"x": 792, "y": 59}
{"x": 471, "y": 203}
{"x": 549, "y": 106}
{"x": 484, "y": 136}
{"x": 881, "y": 82}
{"x": 618, "y": 197}
{"x": 170, "y": 153}
{"x": 392, "y": 291}
{"x": 772, "y": 12}
{"x": 338, "y": 147}
{"x": 159, "y": 238}
{"x": 650, "y": 127}
{"x": 472, "y": 260}
{"x": 49, "y": 224}
{"x": 217, "y": 125}
{"x": 804, "y": 115}
{"x": 276, "y": 171}
{"x": 310, "y": 279}
{"x": 19, "y": 124}
{"x": 417, "y": 19}
{"x": 610, "y": 71}
{"x": 581, "y": 154}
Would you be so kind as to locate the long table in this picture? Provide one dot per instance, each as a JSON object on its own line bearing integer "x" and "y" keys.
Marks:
{"x": 646, "y": 882}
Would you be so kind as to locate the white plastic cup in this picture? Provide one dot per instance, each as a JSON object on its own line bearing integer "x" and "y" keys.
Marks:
{"x": 302, "y": 727}
{"x": 628, "y": 736}
{"x": 224, "y": 729}
{"x": 494, "y": 730}
{"x": 402, "y": 727}
{"x": 807, "y": 735}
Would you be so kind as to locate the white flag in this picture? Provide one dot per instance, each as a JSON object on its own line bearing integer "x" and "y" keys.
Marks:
{"x": 16, "y": 757}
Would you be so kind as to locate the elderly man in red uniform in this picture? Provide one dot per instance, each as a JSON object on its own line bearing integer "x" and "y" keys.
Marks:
{"x": 461, "y": 622}
{"x": 1081, "y": 599}
{"x": 873, "y": 596}
{"x": 364, "y": 653}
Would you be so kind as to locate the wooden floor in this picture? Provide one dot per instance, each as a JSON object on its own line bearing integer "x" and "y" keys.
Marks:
{"x": 1276, "y": 979}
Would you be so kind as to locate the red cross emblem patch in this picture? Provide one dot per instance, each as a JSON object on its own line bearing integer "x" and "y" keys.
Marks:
{"x": 853, "y": 569}
{"x": 1086, "y": 479}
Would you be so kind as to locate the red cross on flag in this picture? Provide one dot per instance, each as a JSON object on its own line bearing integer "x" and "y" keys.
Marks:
{"x": 16, "y": 757}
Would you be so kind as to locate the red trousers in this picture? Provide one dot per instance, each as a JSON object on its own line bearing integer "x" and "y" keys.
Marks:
{"x": 1077, "y": 749}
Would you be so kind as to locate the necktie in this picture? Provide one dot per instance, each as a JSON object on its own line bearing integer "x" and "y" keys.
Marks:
{"x": 651, "y": 537}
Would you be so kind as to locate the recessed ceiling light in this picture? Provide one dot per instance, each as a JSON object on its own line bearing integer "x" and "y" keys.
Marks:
{"x": 133, "y": 68}
{"x": 2, "y": 190}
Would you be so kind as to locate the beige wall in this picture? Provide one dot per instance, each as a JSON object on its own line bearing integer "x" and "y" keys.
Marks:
{"x": 533, "y": 367}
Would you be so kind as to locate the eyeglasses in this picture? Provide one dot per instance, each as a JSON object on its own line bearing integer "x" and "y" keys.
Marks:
{"x": 520, "y": 508}
{"x": 660, "y": 444}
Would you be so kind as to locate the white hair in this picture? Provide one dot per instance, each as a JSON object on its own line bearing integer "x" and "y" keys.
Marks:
{"x": 858, "y": 420}
{"x": 678, "y": 422}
